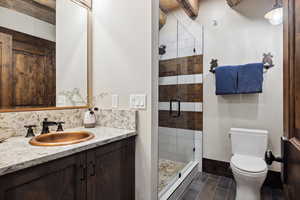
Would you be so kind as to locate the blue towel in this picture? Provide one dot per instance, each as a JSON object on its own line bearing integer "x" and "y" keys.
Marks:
{"x": 226, "y": 80}
{"x": 250, "y": 78}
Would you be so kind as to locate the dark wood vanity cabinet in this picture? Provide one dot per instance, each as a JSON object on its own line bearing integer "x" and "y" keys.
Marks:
{"x": 103, "y": 173}
{"x": 56, "y": 180}
{"x": 111, "y": 172}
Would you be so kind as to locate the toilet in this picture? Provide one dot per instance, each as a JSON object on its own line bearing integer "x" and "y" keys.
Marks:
{"x": 247, "y": 162}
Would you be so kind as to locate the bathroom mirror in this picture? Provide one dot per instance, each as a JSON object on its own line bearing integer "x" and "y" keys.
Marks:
{"x": 44, "y": 48}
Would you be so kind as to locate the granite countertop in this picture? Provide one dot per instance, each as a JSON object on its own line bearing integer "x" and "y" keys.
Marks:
{"x": 16, "y": 153}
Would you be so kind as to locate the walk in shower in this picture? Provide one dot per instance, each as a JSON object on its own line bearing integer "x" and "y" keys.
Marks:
{"x": 180, "y": 104}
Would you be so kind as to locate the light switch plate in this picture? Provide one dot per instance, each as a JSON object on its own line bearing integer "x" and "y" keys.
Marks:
{"x": 115, "y": 101}
{"x": 138, "y": 101}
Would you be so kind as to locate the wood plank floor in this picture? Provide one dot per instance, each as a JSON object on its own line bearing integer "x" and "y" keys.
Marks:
{"x": 211, "y": 187}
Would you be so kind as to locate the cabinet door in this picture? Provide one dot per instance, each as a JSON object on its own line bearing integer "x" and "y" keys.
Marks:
{"x": 63, "y": 179}
{"x": 111, "y": 171}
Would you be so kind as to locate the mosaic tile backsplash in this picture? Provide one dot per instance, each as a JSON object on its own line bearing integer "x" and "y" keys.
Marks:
{"x": 14, "y": 122}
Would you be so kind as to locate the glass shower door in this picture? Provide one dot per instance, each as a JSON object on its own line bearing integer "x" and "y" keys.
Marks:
{"x": 179, "y": 94}
{"x": 177, "y": 122}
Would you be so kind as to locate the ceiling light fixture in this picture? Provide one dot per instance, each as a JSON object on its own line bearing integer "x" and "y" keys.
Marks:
{"x": 275, "y": 15}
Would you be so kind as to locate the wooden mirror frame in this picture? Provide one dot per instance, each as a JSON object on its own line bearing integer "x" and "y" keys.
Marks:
{"x": 88, "y": 5}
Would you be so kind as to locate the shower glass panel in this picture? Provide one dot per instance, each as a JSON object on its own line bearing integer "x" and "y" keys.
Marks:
{"x": 179, "y": 95}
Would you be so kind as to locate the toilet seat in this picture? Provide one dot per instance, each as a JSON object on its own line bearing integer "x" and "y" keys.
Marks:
{"x": 248, "y": 164}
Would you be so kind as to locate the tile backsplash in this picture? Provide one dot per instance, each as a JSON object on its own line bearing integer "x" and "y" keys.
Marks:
{"x": 123, "y": 119}
{"x": 15, "y": 121}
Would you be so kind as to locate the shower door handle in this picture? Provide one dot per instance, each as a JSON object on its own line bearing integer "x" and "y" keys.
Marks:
{"x": 171, "y": 108}
{"x": 179, "y": 109}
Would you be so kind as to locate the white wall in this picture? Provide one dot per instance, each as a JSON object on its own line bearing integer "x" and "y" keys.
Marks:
{"x": 241, "y": 35}
{"x": 71, "y": 51}
{"x": 26, "y": 24}
{"x": 124, "y": 62}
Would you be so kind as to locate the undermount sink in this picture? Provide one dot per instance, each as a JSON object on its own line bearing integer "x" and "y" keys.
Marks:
{"x": 61, "y": 138}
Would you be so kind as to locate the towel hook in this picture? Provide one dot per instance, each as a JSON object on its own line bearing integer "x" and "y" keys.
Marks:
{"x": 268, "y": 60}
{"x": 213, "y": 65}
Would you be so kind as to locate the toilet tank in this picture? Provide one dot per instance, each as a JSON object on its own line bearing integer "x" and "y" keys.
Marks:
{"x": 249, "y": 142}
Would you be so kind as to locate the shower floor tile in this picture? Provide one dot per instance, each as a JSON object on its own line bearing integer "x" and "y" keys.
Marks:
{"x": 168, "y": 169}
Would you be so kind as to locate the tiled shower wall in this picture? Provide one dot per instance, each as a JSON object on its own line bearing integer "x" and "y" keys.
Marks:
{"x": 181, "y": 78}
{"x": 15, "y": 121}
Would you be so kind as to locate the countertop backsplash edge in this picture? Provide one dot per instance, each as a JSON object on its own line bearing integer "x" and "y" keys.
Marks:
{"x": 14, "y": 122}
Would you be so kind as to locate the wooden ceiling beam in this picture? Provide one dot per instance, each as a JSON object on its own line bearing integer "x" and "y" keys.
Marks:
{"x": 48, "y": 3}
{"x": 168, "y": 5}
{"x": 191, "y": 7}
{"x": 233, "y": 3}
{"x": 32, "y": 9}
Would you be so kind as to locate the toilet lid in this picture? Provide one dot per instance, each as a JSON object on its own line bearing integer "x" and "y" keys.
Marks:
{"x": 249, "y": 163}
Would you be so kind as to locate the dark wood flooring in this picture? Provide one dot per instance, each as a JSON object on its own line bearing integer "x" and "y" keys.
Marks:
{"x": 211, "y": 187}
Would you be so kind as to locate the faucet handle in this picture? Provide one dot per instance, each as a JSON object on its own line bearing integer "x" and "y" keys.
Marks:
{"x": 30, "y": 126}
{"x": 30, "y": 132}
{"x": 59, "y": 126}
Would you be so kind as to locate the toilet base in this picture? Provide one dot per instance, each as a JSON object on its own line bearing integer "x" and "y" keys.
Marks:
{"x": 248, "y": 185}
{"x": 247, "y": 193}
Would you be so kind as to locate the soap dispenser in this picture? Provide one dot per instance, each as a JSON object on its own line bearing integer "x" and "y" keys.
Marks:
{"x": 90, "y": 118}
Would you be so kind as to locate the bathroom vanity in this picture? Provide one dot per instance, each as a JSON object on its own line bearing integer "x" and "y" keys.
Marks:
{"x": 102, "y": 168}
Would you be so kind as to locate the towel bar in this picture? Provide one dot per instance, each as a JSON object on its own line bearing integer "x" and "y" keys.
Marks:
{"x": 267, "y": 60}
